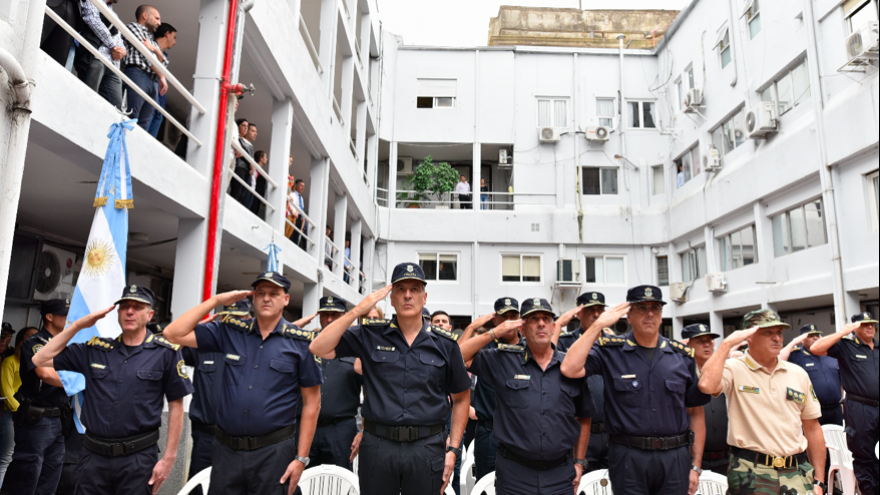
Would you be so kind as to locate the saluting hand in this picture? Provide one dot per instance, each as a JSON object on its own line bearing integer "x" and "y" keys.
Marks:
{"x": 91, "y": 320}
{"x": 610, "y": 317}
{"x": 371, "y": 301}
{"x": 852, "y": 327}
{"x": 483, "y": 320}
{"x": 509, "y": 327}
{"x": 293, "y": 475}
{"x": 740, "y": 337}
{"x": 230, "y": 298}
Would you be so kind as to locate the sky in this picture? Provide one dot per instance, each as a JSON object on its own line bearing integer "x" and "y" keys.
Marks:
{"x": 466, "y": 22}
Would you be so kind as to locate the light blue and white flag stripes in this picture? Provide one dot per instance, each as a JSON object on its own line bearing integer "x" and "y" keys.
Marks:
{"x": 273, "y": 249}
{"x": 102, "y": 278}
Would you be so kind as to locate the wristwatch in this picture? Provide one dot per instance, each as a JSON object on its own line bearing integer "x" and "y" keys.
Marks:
{"x": 455, "y": 451}
{"x": 582, "y": 463}
{"x": 821, "y": 485}
{"x": 304, "y": 460}
{"x": 697, "y": 470}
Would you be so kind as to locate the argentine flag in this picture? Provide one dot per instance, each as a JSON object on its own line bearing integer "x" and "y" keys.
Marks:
{"x": 102, "y": 278}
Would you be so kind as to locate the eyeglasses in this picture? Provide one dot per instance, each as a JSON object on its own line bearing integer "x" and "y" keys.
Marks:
{"x": 644, "y": 309}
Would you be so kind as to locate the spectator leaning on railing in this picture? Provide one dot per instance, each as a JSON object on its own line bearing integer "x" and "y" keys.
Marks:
{"x": 104, "y": 36}
{"x": 166, "y": 37}
{"x": 54, "y": 39}
{"x": 141, "y": 70}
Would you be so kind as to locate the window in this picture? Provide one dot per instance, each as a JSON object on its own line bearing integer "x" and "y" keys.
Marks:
{"x": 680, "y": 85}
{"x": 439, "y": 267}
{"x": 520, "y": 268}
{"x": 605, "y": 111}
{"x": 606, "y": 270}
{"x": 690, "y": 74}
{"x": 790, "y": 90}
{"x": 688, "y": 166}
{"x": 641, "y": 114}
{"x": 659, "y": 179}
{"x": 739, "y": 249}
{"x": 436, "y": 93}
{"x": 553, "y": 113}
{"x": 874, "y": 198}
{"x": 694, "y": 264}
{"x": 798, "y": 229}
{"x": 663, "y": 271}
{"x": 724, "y": 47}
{"x": 752, "y": 14}
{"x": 859, "y": 13}
{"x": 600, "y": 181}
{"x": 731, "y": 134}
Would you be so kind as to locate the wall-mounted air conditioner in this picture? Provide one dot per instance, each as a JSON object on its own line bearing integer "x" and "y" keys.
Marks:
{"x": 548, "y": 135}
{"x": 404, "y": 166}
{"x": 597, "y": 134}
{"x": 716, "y": 283}
{"x": 569, "y": 272}
{"x": 862, "y": 45}
{"x": 502, "y": 156}
{"x": 762, "y": 120}
{"x": 693, "y": 100}
{"x": 712, "y": 160}
{"x": 55, "y": 274}
{"x": 678, "y": 292}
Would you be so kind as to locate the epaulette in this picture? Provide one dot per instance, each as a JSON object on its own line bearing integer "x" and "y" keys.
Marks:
{"x": 104, "y": 345}
{"x": 796, "y": 348}
{"x": 236, "y": 323}
{"x": 566, "y": 334}
{"x": 160, "y": 340}
{"x": 293, "y": 332}
{"x": 376, "y": 323}
{"x": 611, "y": 342}
{"x": 443, "y": 333}
{"x": 511, "y": 348}
{"x": 681, "y": 348}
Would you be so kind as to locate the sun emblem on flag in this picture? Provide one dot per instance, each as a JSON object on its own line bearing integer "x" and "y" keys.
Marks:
{"x": 98, "y": 259}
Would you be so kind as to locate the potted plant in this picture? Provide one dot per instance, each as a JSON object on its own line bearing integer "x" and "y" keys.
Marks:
{"x": 405, "y": 197}
{"x": 434, "y": 179}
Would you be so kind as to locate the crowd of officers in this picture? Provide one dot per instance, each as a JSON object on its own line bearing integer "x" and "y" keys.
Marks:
{"x": 271, "y": 399}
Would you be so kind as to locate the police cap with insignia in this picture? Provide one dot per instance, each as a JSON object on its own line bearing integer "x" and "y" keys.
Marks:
{"x": 332, "y": 304}
{"x": 7, "y": 330}
{"x": 273, "y": 278}
{"x": 864, "y": 318}
{"x": 55, "y": 307}
{"x": 426, "y": 314}
{"x": 810, "y": 330}
{"x": 645, "y": 294}
{"x": 763, "y": 318}
{"x": 137, "y": 293}
{"x": 408, "y": 271}
{"x": 695, "y": 331}
{"x": 536, "y": 305}
{"x": 506, "y": 305}
{"x": 590, "y": 299}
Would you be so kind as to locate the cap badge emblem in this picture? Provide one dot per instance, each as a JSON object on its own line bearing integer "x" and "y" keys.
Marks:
{"x": 270, "y": 275}
{"x": 595, "y": 296}
{"x": 702, "y": 328}
{"x": 537, "y": 302}
{"x": 649, "y": 293}
{"x": 867, "y": 316}
{"x": 133, "y": 289}
{"x": 330, "y": 300}
{"x": 508, "y": 302}
{"x": 409, "y": 268}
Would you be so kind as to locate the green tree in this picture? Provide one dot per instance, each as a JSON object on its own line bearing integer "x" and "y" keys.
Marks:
{"x": 433, "y": 178}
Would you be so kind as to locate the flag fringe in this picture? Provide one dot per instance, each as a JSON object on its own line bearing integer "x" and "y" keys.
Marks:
{"x": 124, "y": 204}
{"x": 99, "y": 202}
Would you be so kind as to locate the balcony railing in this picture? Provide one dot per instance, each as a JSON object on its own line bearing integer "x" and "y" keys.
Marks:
{"x": 307, "y": 224}
{"x": 338, "y": 110}
{"x": 493, "y": 200}
{"x": 236, "y": 145}
{"x": 307, "y": 37}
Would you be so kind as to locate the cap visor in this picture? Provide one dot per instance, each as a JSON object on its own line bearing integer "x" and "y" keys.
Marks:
{"x": 713, "y": 335}
{"x": 417, "y": 279}
{"x": 504, "y": 311}
{"x": 870, "y": 321}
{"x": 774, "y": 324}
{"x": 590, "y": 305}
{"x": 331, "y": 310}
{"x": 273, "y": 282}
{"x": 135, "y": 299}
{"x": 538, "y": 310}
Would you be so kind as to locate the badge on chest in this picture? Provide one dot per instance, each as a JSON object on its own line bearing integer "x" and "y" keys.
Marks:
{"x": 749, "y": 390}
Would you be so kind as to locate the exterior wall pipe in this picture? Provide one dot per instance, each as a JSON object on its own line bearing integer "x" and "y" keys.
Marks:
{"x": 621, "y": 127}
{"x": 825, "y": 174}
{"x": 734, "y": 36}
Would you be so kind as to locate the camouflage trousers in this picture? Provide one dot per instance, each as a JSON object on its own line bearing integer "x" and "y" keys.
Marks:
{"x": 745, "y": 478}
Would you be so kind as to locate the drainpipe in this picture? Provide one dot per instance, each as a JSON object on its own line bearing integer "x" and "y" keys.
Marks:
{"x": 734, "y": 36}
{"x": 825, "y": 173}
{"x": 577, "y": 149}
{"x": 621, "y": 127}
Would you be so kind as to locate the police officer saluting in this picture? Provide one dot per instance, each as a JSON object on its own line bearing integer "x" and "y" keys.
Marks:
{"x": 335, "y": 438}
{"x": 858, "y": 354}
{"x": 824, "y": 372}
{"x": 651, "y": 398}
{"x": 542, "y": 421}
{"x": 409, "y": 370}
{"x": 39, "y": 439}
{"x": 127, "y": 382}
{"x": 268, "y": 370}
{"x": 484, "y": 400}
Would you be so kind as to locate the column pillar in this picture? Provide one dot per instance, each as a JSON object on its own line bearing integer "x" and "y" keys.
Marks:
{"x": 340, "y": 215}
{"x": 327, "y": 45}
{"x": 189, "y": 266}
{"x": 318, "y": 192}
{"x": 477, "y": 175}
{"x": 392, "y": 175}
{"x": 369, "y": 261}
{"x": 356, "y": 232}
{"x": 279, "y": 153}
{"x": 360, "y": 142}
{"x": 766, "y": 252}
{"x": 716, "y": 324}
{"x": 312, "y": 295}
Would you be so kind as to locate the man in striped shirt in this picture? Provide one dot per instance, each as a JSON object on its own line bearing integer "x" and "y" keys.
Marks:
{"x": 104, "y": 36}
{"x": 142, "y": 69}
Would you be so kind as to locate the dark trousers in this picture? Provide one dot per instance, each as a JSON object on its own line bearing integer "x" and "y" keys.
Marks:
{"x": 466, "y": 201}
{"x": 73, "y": 448}
{"x": 718, "y": 466}
{"x": 411, "y": 468}
{"x": 861, "y": 437}
{"x": 485, "y": 450}
{"x": 54, "y": 40}
{"x": 140, "y": 109}
{"x": 645, "y": 472}
{"x": 597, "y": 452}
{"x": 98, "y": 77}
{"x": 832, "y": 416}
{"x": 123, "y": 475}
{"x": 332, "y": 444}
{"x": 251, "y": 473}
{"x": 37, "y": 459}
{"x": 512, "y": 478}
{"x": 200, "y": 458}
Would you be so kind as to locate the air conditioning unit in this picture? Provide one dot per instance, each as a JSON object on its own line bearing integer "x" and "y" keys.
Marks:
{"x": 568, "y": 272}
{"x": 762, "y": 121}
{"x": 862, "y": 45}
{"x": 712, "y": 160}
{"x": 502, "y": 157}
{"x": 549, "y": 135}
{"x": 678, "y": 292}
{"x": 505, "y": 166}
{"x": 693, "y": 100}
{"x": 598, "y": 134}
{"x": 716, "y": 283}
{"x": 55, "y": 274}
{"x": 404, "y": 166}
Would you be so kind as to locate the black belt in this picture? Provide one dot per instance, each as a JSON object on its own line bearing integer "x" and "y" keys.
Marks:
{"x": 598, "y": 429}
{"x": 791, "y": 462}
{"x": 653, "y": 444}
{"x": 249, "y": 444}
{"x": 403, "y": 434}
{"x": 120, "y": 447}
{"x": 323, "y": 422}
{"x": 716, "y": 456}
{"x": 202, "y": 427}
{"x": 862, "y": 400}
{"x": 536, "y": 465}
{"x": 830, "y": 407}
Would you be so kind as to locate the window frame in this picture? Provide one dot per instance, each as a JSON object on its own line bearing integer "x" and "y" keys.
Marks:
{"x": 434, "y": 105}
{"x": 604, "y": 258}
{"x": 873, "y": 197}
{"x": 601, "y": 182}
{"x": 786, "y": 229}
{"x": 790, "y": 75}
{"x": 848, "y": 16}
{"x": 753, "y": 15}
{"x": 654, "y": 177}
{"x": 694, "y": 159}
{"x": 730, "y": 123}
{"x": 599, "y": 116}
{"x": 659, "y": 278}
{"x": 521, "y": 256}
{"x": 642, "y": 114}
{"x": 694, "y": 254}
{"x": 728, "y": 259}
{"x": 722, "y": 48}
{"x": 553, "y": 100}
{"x": 437, "y": 255}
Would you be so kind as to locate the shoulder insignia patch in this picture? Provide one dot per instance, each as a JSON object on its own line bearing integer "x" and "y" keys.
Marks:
{"x": 376, "y": 323}
{"x": 565, "y": 334}
{"x": 443, "y": 333}
{"x": 104, "y": 345}
{"x": 159, "y": 340}
{"x": 296, "y": 333}
{"x": 796, "y": 348}
{"x": 611, "y": 342}
{"x": 181, "y": 370}
{"x": 681, "y": 348}
{"x": 511, "y": 348}
{"x": 37, "y": 348}
{"x": 236, "y": 323}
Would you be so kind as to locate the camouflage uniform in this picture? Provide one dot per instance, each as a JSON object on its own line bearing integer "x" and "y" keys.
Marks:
{"x": 746, "y": 478}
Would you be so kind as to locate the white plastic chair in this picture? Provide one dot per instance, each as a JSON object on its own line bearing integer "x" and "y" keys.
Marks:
{"x": 329, "y": 480}
{"x": 840, "y": 458}
{"x": 595, "y": 483}
{"x": 202, "y": 479}
{"x": 468, "y": 481}
{"x": 712, "y": 484}
{"x": 485, "y": 485}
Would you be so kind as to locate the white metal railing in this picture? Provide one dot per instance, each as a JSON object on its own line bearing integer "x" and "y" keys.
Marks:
{"x": 382, "y": 196}
{"x": 357, "y": 49}
{"x": 331, "y": 255}
{"x": 131, "y": 85}
{"x": 236, "y": 145}
{"x": 347, "y": 10}
{"x": 408, "y": 197}
{"x": 135, "y": 42}
{"x": 338, "y": 110}
{"x": 252, "y": 191}
{"x": 354, "y": 150}
{"x": 307, "y": 223}
{"x": 362, "y": 283}
{"x": 307, "y": 37}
